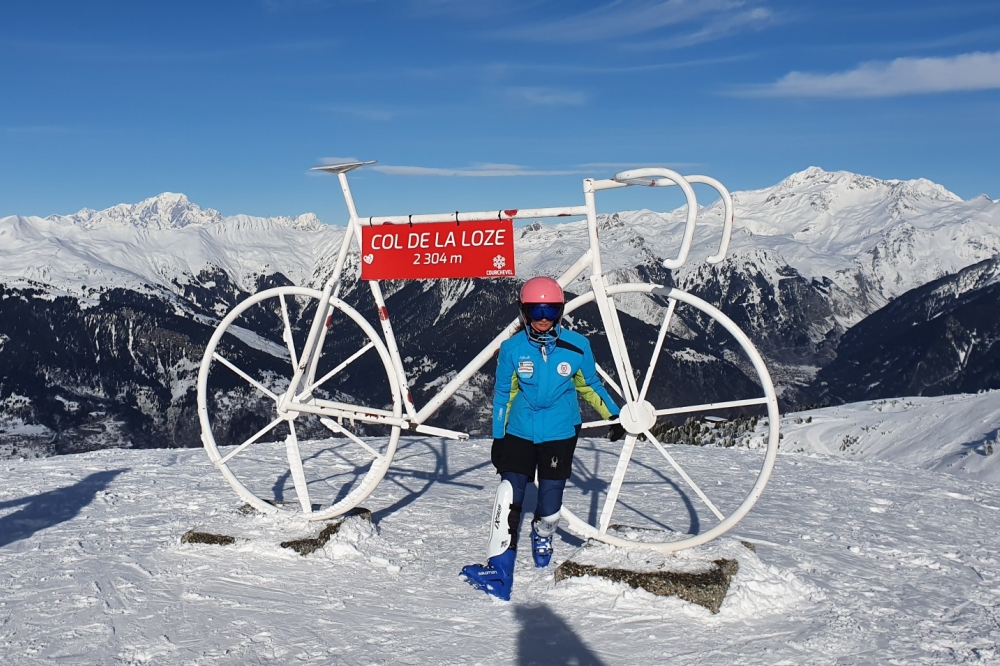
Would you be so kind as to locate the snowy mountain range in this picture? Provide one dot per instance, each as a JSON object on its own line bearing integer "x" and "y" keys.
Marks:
{"x": 874, "y": 239}
{"x": 104, "y": 314}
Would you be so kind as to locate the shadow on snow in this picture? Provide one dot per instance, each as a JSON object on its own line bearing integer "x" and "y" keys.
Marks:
{"x": 544, "y": 638}
{"x": 45, "y": 510}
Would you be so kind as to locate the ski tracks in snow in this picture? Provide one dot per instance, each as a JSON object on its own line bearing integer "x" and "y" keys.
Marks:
{"x": 856, "y": 562}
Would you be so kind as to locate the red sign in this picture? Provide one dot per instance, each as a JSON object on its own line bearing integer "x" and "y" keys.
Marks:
{"x": 438, "y": 250}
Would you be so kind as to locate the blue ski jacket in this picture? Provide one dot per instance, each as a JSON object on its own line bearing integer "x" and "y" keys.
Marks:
{"x": 535, "y": 394}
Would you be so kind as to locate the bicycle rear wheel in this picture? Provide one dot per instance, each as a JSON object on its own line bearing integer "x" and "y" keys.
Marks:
{"x": 335, "y": 440}
{"x": 680, "y": 378}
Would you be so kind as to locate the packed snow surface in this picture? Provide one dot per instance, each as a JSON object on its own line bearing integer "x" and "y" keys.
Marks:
{"x": 867, "y": 555}
{"x": 959, "y": 434}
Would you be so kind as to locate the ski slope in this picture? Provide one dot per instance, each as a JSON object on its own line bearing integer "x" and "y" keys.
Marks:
{"x": 880, "y": 553}
{"x": 956, "y": 433}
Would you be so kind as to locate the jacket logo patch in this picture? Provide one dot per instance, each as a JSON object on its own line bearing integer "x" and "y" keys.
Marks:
{"x": 564, "y": 369}
{"x": 526, "y": 368}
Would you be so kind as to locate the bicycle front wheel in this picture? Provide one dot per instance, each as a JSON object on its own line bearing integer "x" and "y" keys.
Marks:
{"x": 676, "y": 481}
{"x": 321, "y": 448}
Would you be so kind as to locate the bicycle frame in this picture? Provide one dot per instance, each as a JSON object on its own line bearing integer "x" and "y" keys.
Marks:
{"x": 638, "y": 416}
{"x": 636, "y": 413}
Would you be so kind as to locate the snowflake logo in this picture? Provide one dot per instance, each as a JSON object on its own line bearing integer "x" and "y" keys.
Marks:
{"x": 499, "y": 261}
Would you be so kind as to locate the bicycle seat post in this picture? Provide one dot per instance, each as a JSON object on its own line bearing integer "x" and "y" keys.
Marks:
{"x": 352, "y": 224}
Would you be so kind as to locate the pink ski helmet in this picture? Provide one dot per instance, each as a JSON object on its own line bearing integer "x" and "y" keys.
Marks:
{"x": 542, "y": 289}
{"x": 542, "y": 298}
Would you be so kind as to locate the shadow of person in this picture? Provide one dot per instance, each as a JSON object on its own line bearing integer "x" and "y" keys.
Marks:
{"x": 40, "y": 512}
{"x": 545, "y": 639}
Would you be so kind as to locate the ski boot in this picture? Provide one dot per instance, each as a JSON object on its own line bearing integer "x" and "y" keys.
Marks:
{"x": 541, "y": 548}
{"x": 543, "y": 530}
{"x": 496, "y": 577}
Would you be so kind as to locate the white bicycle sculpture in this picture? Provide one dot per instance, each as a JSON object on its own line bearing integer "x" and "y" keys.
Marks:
{"x": 290, "y": 326}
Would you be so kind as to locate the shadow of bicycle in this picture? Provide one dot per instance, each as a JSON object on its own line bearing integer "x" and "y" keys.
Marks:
{"x": 593, "y": 469}
{"x": 415, "y": 483}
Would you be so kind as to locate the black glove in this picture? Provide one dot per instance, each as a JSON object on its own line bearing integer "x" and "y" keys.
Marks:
{"x": 497, "y": 442}
{"x": 616, "y": 431}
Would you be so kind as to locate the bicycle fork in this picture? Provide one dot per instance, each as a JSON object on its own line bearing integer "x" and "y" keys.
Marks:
{"x": 637, "y": 415}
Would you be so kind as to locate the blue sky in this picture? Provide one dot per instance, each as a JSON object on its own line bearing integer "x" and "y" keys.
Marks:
{"x": 482, "y": 105}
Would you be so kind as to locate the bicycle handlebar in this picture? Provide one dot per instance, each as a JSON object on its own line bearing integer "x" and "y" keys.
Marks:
{"x": 655, "y": 177}
{"x": 629, "y": 178}
{"x": 727, "y": 216}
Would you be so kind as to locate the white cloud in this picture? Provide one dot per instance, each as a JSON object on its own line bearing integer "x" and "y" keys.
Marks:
{"x": 902, "y": 76}
{"x": 286, "y": 5}
{"x": 104, "y": 52}
{"x": 757, "y": 18}
{"x": 38, "y": 129}
{"x": 364, "y": 112}
{"x": 621, "y": 166}
{"x": 495, "y": 170}
{"x": 45, "y": 131}
{"x": 621, "y": 18}
{"x": 475, "y": 171}
{"x": 537, "y": 96}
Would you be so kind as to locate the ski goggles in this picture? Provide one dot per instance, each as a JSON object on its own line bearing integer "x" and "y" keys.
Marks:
{"x": 539, "y": 311}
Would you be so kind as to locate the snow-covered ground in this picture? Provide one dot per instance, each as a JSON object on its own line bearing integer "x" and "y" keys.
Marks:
{"x": 959, "y": 434}
{"x": 868, "y": 555}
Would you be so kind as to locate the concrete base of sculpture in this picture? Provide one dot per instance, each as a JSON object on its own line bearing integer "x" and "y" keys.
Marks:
{"x": 697, "y": 575}
{"x": 303, "y": 545}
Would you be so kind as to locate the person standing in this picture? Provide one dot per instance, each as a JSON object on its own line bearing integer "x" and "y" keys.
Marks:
{"x": 541, "y": 370}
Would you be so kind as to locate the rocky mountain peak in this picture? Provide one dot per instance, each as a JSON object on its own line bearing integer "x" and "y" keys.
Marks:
{"x": 841, "y": 183}
{"x": 168, "y": 210}
{"x": 306, "y": 222}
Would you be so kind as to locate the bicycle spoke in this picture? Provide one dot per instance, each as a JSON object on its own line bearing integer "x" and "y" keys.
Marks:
{"x": 260, "y": 387}
{"x": 287, "y": 333}
{"x": 260, "y": 433}
{"x": 607, "y": 378}
{"x": 295, "y": 466}
{"x": 712, "y": 405}
{"x": 341, "y": 430}
{"x": 355, "y": 356}
{"x": 656, "y": 350}
{"x": 684, "y": 475}
{"x": 616, "y": 340}
{"x": 598, "y": 424}
{"x": 616, "y": 482}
